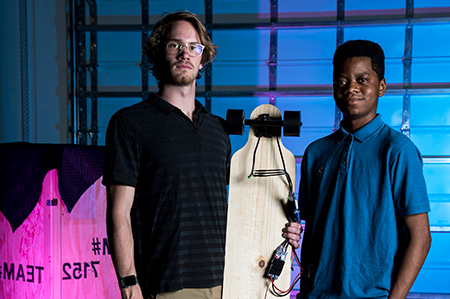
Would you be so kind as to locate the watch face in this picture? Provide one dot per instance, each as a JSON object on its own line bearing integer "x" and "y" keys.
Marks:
{"x": 128, "y": 281}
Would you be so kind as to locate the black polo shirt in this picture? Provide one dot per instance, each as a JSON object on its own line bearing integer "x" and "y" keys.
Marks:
{"x": 179, "y": 169}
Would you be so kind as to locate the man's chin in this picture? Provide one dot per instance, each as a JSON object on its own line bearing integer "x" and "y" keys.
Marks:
{"x": 180, "y": 79}
{"x": 183, "y": 80}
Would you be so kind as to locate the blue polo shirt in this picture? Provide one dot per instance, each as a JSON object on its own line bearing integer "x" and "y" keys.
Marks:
{"x": 354, "y": 190}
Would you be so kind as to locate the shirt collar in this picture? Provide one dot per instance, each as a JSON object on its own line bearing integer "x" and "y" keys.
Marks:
{"x": 363, "y": 133}
{"x": 166, "y": 107}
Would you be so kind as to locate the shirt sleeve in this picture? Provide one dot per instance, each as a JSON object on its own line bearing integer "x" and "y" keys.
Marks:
{"x": 224, "y": 127}
{"x": 304, "y": 190}
{"x": 408, "y": 183}
{"x": 122, "y": 154}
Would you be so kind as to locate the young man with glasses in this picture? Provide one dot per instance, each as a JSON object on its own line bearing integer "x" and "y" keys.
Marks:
{"x": 166, "y": 170}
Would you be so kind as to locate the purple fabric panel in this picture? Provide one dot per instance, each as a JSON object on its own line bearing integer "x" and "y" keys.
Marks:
{"x": 22, "y": 170}
{"x": 78, "y": 168}
{"x": 23, "y": 167}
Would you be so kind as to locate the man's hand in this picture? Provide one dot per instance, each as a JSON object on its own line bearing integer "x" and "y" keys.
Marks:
{"x": 292, "y": 231}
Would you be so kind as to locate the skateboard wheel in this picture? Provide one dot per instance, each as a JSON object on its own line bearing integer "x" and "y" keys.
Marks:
{"x": 291, "y": 123}
{"x": 235, "y": 121}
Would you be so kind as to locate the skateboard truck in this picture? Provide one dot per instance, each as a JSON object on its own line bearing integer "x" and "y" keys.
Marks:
{"x": 264, "y": 125}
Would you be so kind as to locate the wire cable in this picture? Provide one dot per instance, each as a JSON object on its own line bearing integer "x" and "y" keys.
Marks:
{"x": 277, "y": 291}
{"x": 283, "y": 246}
{"x": 271, "y": 172}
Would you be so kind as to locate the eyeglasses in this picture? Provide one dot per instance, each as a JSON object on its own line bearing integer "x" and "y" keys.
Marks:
{"x": 194, "y": 49}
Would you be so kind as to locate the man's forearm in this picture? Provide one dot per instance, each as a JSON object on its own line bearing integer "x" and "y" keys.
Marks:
{"x": 414, "y": 256}
{"x": 121, "y": 244}
{"x": 122, "y": 254}
{"x": 120, "y": 236}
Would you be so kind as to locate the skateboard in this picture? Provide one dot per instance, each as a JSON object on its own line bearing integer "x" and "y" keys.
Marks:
{"x": 258, "y": 195}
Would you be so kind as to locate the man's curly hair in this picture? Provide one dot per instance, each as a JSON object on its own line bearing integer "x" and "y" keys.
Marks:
{"x": 360, "y": 48}
{"x": 155, "y": 45}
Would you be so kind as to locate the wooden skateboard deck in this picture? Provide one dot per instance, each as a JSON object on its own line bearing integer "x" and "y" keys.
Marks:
{"x": 256, "y": 216}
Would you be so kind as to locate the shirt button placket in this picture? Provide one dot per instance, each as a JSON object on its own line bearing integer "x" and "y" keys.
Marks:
{"x": 344, "y": 157}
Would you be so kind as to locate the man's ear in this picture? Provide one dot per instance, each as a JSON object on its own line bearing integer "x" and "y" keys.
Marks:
{"x": 382, "y": 87}
{"x": 199, "y": 73}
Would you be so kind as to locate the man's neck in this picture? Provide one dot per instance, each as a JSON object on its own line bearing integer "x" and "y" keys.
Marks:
{"x": 353, "y": 125}
{"x": 182, "y": 97}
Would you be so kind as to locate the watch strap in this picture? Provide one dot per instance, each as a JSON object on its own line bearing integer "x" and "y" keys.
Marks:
{"x": 128, "y": 281}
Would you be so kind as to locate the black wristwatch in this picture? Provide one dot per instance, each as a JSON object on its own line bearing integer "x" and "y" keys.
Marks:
{"x": 128, "y": 281}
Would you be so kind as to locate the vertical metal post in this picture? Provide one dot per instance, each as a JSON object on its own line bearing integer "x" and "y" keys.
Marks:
{"x": 52, "y": 223}
{"x": 406, "y": 126}
{"x": 144, "y": 59}
{"x": 24, "y": 88}
{"x": 70, "y": 72}
{"x": 409, "y": 9}
{"x": 80, "y": 40}
{"x": 340, "y": 6}
{"x": 2, "y": 127}
{"x": 339, "y": 41}
{"x": 208, "y": 67}
{"x": 93, "y": 70}
{"x": 407, "y": 59}
{"x": 273, "y": 51}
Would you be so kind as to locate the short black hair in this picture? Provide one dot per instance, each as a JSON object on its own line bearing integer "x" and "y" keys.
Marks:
{"x": 360, "y": 48}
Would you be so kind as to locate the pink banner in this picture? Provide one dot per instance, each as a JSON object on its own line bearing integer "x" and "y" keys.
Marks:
{"x": 56, "y": 254}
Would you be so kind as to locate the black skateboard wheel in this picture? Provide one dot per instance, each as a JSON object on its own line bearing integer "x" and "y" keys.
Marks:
{"x": 235, "y": 121}
{"x": 291, "y": 123}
